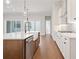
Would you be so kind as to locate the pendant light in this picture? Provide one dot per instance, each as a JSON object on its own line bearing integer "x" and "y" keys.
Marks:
{"x": 27, "y": 23}
{"x": 26, "y": 9}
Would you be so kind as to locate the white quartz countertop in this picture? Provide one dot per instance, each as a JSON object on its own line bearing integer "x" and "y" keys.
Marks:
{"x": 69, "y": 35}
{"x": 20, "y": 35}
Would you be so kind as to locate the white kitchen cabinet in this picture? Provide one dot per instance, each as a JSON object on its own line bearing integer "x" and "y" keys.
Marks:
{"x": 64, "y": 45}
{"x": 71, "y": 10}
{"x": 69, "y": 45}
{"x": 69, "y": 48}
{"x": 73, "y": 48}
{"x": 59, "y": 42}
{"x": 66, "y": 48}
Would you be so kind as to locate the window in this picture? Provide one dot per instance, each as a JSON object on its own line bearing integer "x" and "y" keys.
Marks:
{"x": 13, "y": 26}
{"x": 32, "y": 26}
{"x": 38, "y": 27}
{"x": 35, "y": 25}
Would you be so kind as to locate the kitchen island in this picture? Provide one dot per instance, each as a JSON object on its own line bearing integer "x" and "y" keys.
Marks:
{"x": 20, "y": 47}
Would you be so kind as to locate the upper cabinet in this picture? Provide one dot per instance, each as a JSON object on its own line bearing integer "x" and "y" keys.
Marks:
{"x": 67, "y": 12}
{"x": 71, "y": 10}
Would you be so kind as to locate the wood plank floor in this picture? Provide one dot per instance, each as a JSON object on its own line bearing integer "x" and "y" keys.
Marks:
{"x": 47, "y": 49}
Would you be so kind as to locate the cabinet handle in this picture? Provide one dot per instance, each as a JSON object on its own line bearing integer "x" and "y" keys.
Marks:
{"x": 64, "y": 42}
{"x": 65, "y": 38}
{"x": 74, "y": 18}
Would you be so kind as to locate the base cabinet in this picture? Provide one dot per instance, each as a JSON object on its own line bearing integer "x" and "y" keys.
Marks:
{"x": 73, "y": 48}
{"x": 20, "y": 48}
{"x": 13, "y": 49}
{"x": 66, "y": 48}
{"x": 64, "y": 45}
{"x": 67, "y": 45}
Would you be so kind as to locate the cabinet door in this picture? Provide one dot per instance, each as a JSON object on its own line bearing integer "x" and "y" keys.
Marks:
{"x": 28, "y": 54}
{"x": 13, "y": 49}
{"x": 60, "y": 44}
{"x": 34, "y": 47}
{"x": 66, "y": 48}
{"x": 73, "y": 48}
{"x": 59, "y": 41}
{"x": 29, "y": 49}
{"x": 71, "y": 10}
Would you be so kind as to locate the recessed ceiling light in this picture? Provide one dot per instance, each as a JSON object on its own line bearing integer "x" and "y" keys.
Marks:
{"x": 7, "y": 2}
{"x": 24, "y": 12}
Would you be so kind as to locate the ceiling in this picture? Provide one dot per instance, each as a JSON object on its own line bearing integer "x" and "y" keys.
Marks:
{"x": 34, "y": 6}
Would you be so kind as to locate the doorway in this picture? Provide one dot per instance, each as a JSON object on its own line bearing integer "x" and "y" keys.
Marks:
{"x": 47, "y": 25}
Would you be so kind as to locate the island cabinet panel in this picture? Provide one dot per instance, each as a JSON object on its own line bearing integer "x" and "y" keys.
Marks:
{"x": 13, "y": 49}
{"x": 29, "y": 50}
{"x": 34, "y": 47}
